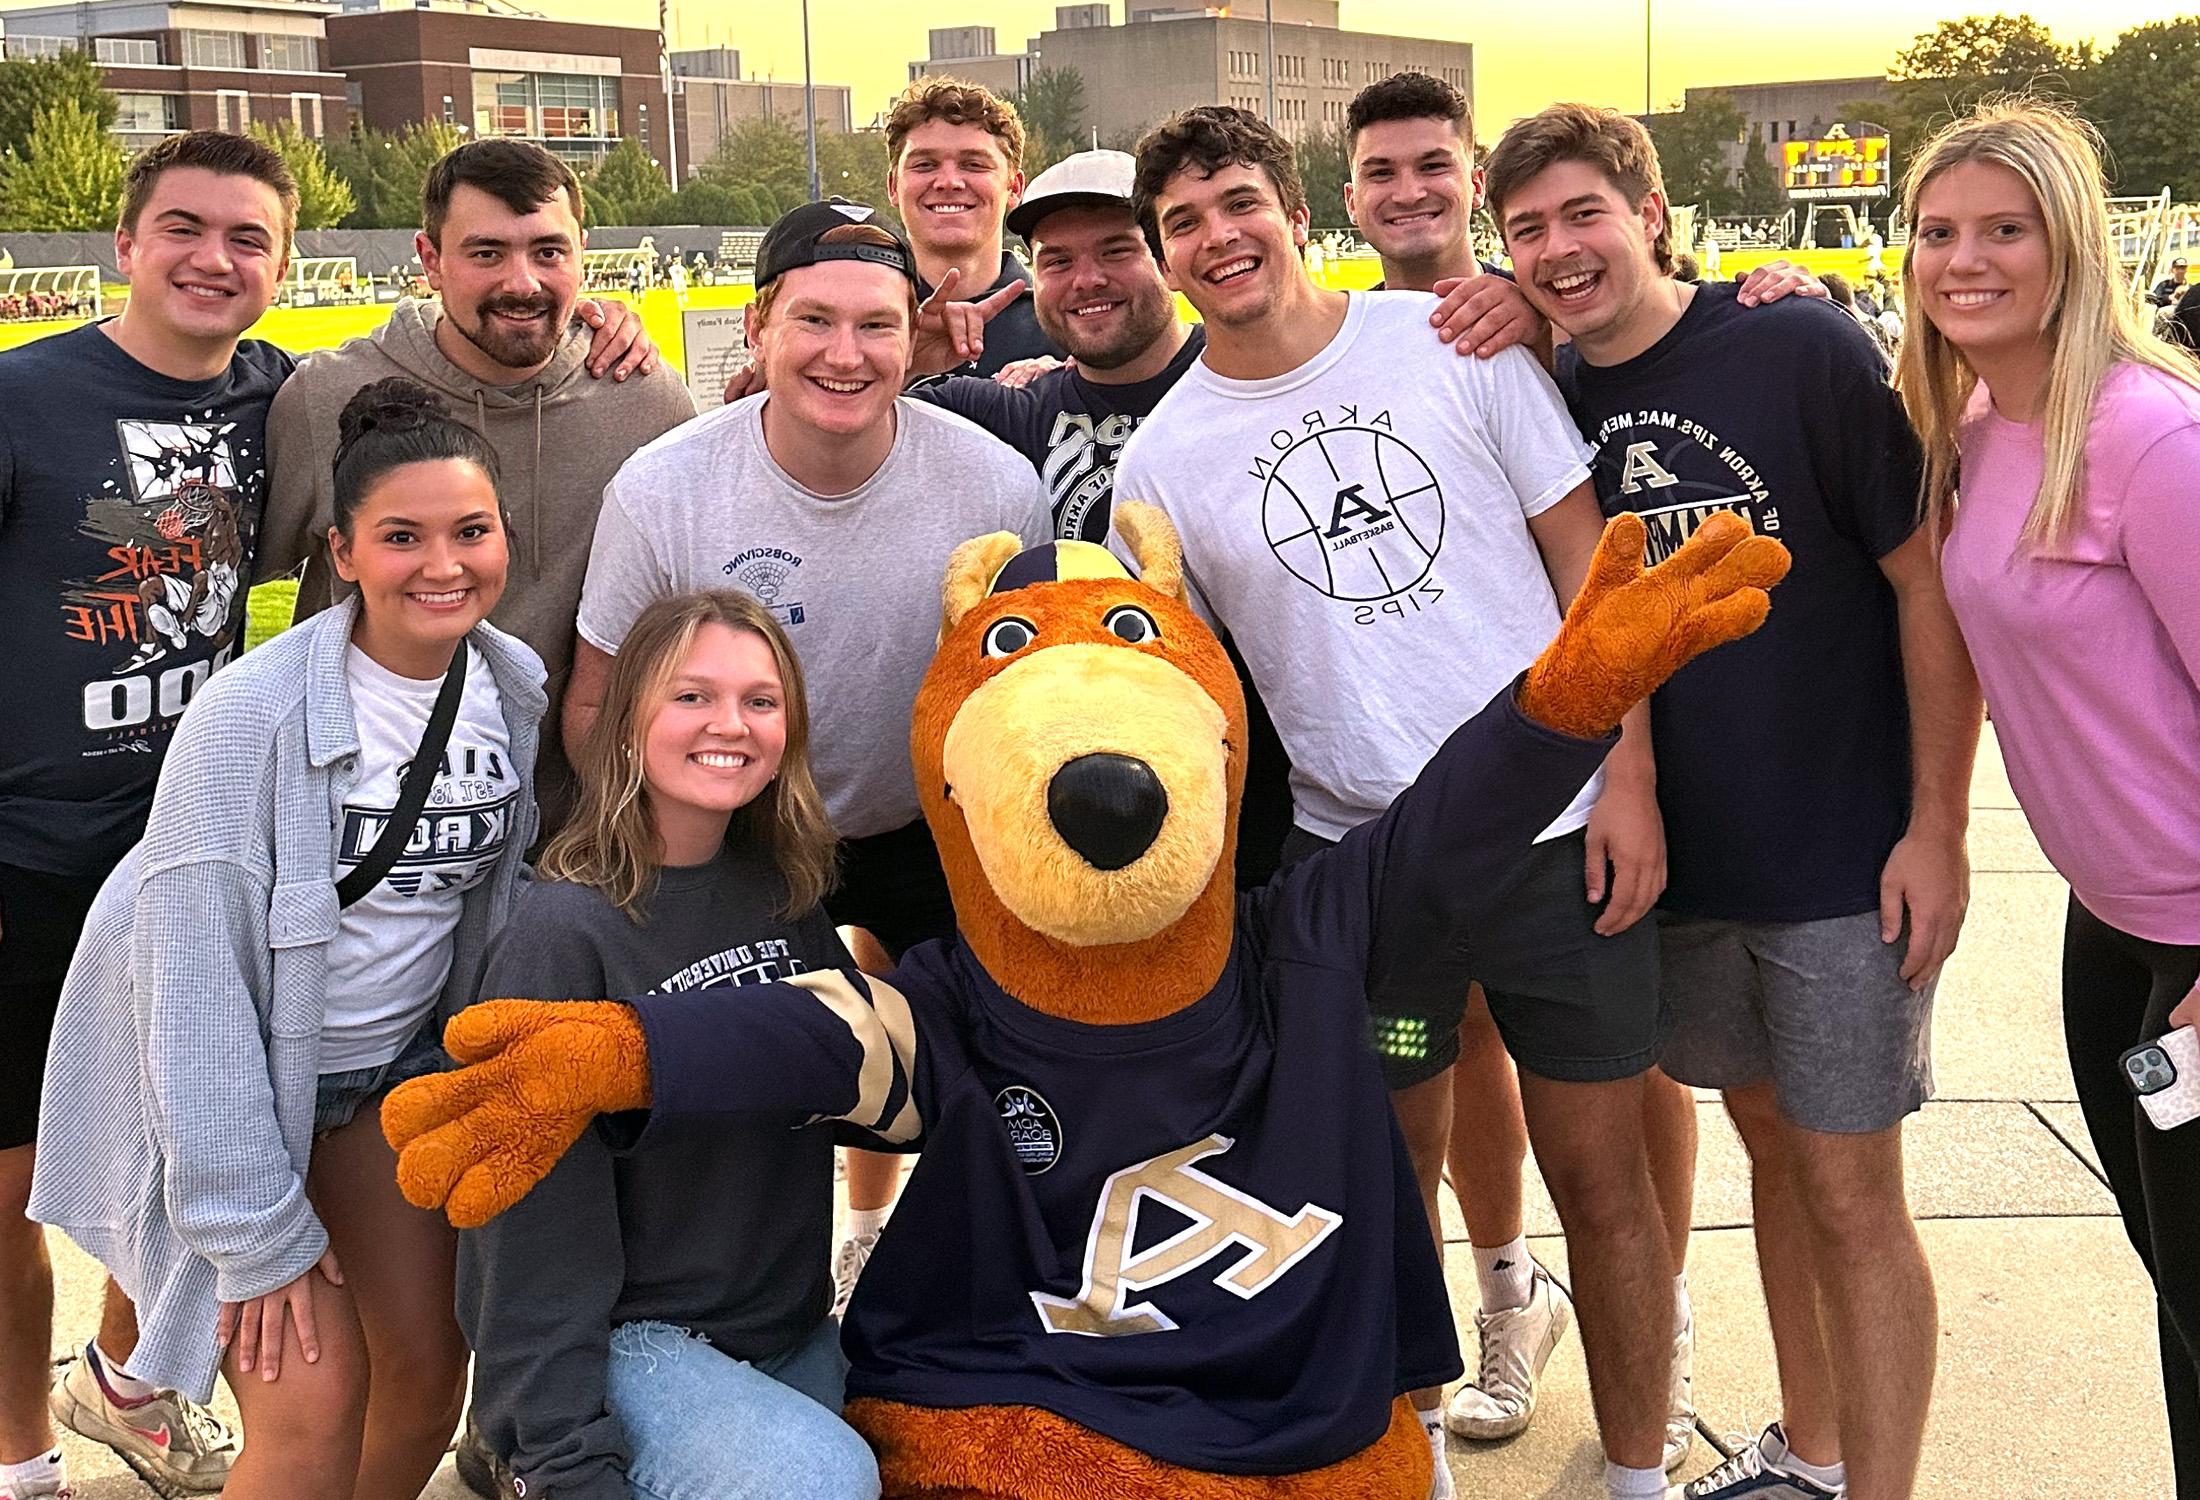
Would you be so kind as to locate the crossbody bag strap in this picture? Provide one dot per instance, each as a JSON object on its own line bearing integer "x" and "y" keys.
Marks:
{"x": 412, "y": 793}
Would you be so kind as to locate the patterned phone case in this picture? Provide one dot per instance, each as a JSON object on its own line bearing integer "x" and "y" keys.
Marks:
{"x": 2178, "y": 1103}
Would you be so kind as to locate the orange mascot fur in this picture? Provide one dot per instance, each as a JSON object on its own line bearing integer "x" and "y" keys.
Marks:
{"x": 1079, "y": 746}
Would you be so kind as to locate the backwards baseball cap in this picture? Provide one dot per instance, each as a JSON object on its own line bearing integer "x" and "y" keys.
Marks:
{"x": 792, "y": 242}
{"x": 1086, "y": 178}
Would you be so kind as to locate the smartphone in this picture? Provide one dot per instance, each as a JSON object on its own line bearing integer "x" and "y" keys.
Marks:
{"x": 2165, "y": 1076}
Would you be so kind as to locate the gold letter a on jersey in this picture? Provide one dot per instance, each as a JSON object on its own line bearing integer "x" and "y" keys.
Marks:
{"x": 1221, "y": 1217}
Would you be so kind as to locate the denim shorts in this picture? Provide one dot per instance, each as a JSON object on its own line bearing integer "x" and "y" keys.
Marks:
{"x": 340, "y": 1095}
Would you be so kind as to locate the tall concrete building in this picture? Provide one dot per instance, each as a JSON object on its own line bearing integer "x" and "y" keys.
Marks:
{"x": 710, "y": 98}
{"x": 177, "y": 65}
{"x": 577, "y": 88}
{"x": 1170, "y": 54}
{"x": 1803, "y": 110}
{"x": 969, "y": 53}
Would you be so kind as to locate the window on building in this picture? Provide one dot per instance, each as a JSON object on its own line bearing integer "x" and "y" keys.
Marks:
{"x": 287, "y": 54}
{"x": 305, "y": 113}
{"x": 641, "y": 120}
{"x": 127, "y": 51}
{"x": 546, "y": 106}
{"x": 232, "y": 109}
{"x": 213, "y": 49}
{"x": 145, "y": 114}
{"x": 31, "y": 47}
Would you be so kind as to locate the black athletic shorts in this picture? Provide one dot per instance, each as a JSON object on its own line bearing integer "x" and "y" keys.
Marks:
{"x": 1572, "y": 1006}
{"x": 892, "y": 886}
{"x": 41, "y": 917}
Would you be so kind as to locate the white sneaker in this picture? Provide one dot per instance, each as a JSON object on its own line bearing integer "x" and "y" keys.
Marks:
{"x": 1757, "y": 1471}
{"x": 51, "y": 1483}
{"x": 855, "y": 1254}
{"x": 1516, "y": 1344}
{"x": 1680, "y": 1413}
{"x": 1439, "y": 1483}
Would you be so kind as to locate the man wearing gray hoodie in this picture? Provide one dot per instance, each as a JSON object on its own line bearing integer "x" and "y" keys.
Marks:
{"x": 501, "y": 242}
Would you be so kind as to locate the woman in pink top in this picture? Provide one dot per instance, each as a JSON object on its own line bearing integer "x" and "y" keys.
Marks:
{"x": 2073, "y": 565}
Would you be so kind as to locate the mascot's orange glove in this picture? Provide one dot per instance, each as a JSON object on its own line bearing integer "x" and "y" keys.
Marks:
{"x": 1629, "y": 630}
{"x": 540, "y": 1071}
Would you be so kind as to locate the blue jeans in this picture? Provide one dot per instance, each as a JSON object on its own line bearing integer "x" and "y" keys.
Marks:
{"x": 704, "y": 1426}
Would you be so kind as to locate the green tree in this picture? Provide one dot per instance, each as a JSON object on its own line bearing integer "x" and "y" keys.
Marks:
{"x": 1757, "y": 187}
{"x": 70, "y": 178}
{"x": 1053, "y": 108}
{"x": 2145, "y": 94}
{"x": 386, "y": 171}
{"x": 623, "y": 187}
{"x": 28, "y": 85}
{"x": 1325, "y": 166}
{"x": 762, "y": 154}
{"x": 324, "y": 199}
{"x": 1693, "y": 146}
{"x": 854, "y": 166}
{"x": 1947, "y": 70}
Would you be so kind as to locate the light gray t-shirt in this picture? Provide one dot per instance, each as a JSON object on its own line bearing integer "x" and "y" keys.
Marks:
{"x": 1360, "y": 527}
{"x": 855, "y": 578}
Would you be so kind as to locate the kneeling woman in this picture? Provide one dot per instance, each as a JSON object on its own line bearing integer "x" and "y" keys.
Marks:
{"x": 695, "y": 860}
{"x": 266, "y": 963}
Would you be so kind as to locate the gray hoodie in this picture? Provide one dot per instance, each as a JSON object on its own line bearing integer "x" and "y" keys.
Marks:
{"x": 559, "y": 436}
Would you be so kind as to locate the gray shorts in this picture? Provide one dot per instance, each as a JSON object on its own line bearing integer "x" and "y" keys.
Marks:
{"x": 1818, "y": 1008}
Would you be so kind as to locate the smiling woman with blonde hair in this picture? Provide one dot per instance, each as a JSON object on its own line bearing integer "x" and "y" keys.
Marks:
{"x": 657, "y": 1322}
{"x": 2063, "y": 456}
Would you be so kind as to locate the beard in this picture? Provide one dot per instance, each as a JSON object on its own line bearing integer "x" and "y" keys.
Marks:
{"x": 1146, "y": 315}
{"x": 514, "y": 348}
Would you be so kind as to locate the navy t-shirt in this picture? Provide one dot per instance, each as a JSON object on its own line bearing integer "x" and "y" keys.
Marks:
{"x": 1197, "y": 1235}
{"x": 1783, "y": 759}
{"x": 129, "y": 503}
{"x": 1072, "y": 429}
{"x": 1014, "y": 332}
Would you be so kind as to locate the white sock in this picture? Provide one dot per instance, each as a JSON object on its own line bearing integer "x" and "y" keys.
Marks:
{"x": 1622, "y": 1483}
{"x": 119, "y": 1381}
{"x": 1683, "y": 1312}
{"x": 862, "y": 1221}
{"x": 1833, "y": 1476}
{"x": 42, "y": 1470}
{"x": 1505, "y": 1274}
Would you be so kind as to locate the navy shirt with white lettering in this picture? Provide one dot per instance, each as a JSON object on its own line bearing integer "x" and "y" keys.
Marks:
{"x": 129, "y": 503}
{"x": 1784, "y": 758}
{"x": 1014, "y": 332}
{"x": 1200, "y": 1235}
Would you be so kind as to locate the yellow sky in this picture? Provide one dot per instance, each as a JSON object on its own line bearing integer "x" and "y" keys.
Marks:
{"x": 1595, "y": 46}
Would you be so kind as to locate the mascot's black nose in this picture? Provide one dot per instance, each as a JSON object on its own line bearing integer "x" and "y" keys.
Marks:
{"x": 1109, "y": 808}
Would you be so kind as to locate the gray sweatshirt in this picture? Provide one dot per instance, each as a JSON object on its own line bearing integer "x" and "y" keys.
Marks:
{"x": 721, "y": 1229}
{"x": 559, "y": 436}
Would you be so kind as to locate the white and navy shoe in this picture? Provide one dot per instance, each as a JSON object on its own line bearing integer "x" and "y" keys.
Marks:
{"x": 1680, "y": 1399}
{"x": 1756, "y": 1472}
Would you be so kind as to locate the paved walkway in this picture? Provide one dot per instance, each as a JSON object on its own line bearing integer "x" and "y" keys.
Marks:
{"x": 2048, "y": 1373}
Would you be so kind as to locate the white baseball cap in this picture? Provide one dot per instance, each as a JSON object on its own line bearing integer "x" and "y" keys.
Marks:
{"x": 1087, "y": 177}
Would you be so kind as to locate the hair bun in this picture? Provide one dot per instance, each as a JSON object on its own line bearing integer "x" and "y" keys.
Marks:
{"x": 395, "y": 404}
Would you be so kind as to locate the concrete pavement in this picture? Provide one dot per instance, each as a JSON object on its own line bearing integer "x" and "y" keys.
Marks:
{"x": 2048, "y": 1372}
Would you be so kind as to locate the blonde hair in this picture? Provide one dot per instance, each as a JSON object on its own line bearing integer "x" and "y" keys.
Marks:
{"x": 611, "y": 842}
{"x": 2092, "y": 321}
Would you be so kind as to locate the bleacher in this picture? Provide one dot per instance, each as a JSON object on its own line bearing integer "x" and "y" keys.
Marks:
{"x": 737, "y": 248}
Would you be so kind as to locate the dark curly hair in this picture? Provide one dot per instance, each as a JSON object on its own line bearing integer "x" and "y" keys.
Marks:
{"x": 1408, "y": 96}
{"x": 392, "y": 423}
{"x": 1205, "y": 139}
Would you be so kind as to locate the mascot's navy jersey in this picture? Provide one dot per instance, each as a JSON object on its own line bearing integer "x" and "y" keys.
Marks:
{"x": 1198, "y": 1236}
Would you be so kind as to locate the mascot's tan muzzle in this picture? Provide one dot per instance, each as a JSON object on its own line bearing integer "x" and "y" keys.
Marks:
{"x": 1094, "y": 783}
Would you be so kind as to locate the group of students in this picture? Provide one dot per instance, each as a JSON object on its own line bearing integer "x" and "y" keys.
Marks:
{"x": 554, "y": 620}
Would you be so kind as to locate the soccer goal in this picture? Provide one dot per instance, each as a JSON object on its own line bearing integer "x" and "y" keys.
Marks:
{"x": 324, "y": 280}
{"x": 612, "y": 269}
{"x": 49, "y": 292}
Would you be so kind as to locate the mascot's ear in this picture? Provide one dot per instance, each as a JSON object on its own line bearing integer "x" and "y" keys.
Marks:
{"x": 970, "y": 574}
{"x": 1153, "y": 543}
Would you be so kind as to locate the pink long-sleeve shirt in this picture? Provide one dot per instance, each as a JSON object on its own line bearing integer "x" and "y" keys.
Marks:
{"x": 2089, "y": 651}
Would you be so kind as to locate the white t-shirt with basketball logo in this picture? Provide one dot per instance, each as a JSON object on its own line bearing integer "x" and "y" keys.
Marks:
{"x": 1360, "y": 527}
{"x": 392, "y": 951}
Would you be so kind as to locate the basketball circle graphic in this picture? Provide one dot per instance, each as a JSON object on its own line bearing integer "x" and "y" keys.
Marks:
{"x": 1353, "y": 512}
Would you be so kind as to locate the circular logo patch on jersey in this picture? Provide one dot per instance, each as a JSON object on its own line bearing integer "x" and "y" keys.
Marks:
{"x": 1033, "y": 1128}
{"x": 1354, "y": 512}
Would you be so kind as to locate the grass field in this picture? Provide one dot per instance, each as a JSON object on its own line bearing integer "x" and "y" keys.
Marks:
{"x": 304, "y": 329}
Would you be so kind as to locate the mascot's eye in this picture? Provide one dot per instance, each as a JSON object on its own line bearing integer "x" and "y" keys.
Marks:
{"x": 1127, "y": 622}
{"x": 1008, "y": 635}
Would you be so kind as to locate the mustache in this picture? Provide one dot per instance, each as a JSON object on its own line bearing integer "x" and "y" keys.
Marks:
{"x": 526, "y": 306}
